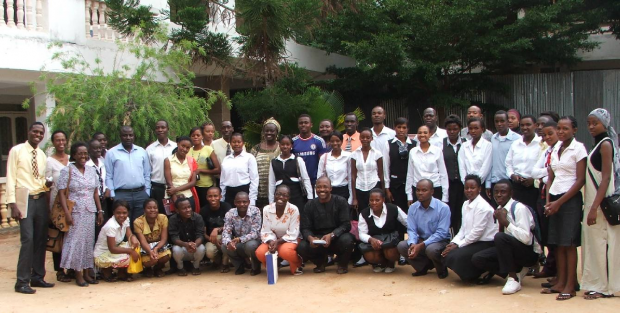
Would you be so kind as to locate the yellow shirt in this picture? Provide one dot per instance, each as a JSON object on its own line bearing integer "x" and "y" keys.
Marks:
{"x": 140, "y": 225}
{"x": 201, "y": 158}
{"x": 19, "y": 171}
{"x": 180, "y": 174}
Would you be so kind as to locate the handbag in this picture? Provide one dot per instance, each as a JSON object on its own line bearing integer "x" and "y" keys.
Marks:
{"x": 57, "y": 215}
{"x": 55, "y": 240}
{"x": 610, "y": 205}
{"x": 135, "y": 267}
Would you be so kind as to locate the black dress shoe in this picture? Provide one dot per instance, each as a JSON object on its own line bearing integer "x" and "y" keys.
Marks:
{"x": 442, "y": 275}
{"x": 255, "y": 272}
{"x": 25, "y": 290}
{"x": 41, "y": 283}
{"x": 240, "y": 270}
{"x": 82, "y": 284}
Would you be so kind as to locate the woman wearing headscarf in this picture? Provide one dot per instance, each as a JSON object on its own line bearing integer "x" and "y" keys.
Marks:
{"x": 264, "y": 152}
{"x": 601, "y": 241}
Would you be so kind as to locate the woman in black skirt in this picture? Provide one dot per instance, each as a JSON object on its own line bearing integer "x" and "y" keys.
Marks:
{"x": 336, "y": 165}
{"x": 564, "y": 206}
{"x": 290, "y": 170}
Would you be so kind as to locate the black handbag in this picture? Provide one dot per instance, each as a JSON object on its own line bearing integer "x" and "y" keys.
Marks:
{"x": 610, "y": 205}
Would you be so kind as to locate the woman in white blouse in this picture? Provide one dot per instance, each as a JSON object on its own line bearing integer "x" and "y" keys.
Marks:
{"x": 280, "y": 230}
{"x": 239, "y": 172}
{"x": 366, "y": 171}
{"x": 336, "y": 165}
{"x": 426, "y": 161}
{"x": 522, "y": 154}
{"x": 475, "y": 155}
{"x": 564, "y": 205}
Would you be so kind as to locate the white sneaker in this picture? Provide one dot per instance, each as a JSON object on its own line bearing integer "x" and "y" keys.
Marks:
{"x": 378, "y": 269}
{"x": 360, "y": 261}
{"x": 390, "y": 269}
{"x": 511, "y": 287}
{"x": 285, "y": 263}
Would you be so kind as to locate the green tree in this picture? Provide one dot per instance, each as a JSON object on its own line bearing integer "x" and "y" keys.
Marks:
{"x": 442, "y": 50}
{"x": 150, "y": 85}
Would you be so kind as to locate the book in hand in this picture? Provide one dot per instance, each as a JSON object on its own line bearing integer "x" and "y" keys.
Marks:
{"x": 21, "y": 200}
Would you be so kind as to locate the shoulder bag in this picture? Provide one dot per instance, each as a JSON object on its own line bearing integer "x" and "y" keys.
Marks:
{"x": 610, "y": 205}
{"x": 57, "y": 214}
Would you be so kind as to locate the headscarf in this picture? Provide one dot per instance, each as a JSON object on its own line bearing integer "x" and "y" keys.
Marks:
{"x": 273, "y": 121}
{"x": 605, "y": 118}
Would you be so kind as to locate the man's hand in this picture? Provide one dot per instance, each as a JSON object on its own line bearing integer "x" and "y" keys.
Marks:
{"x": 311, "y": 239}
{"x": 106, "y": 194}
{"x": 213, "y": 236}
{"x": 502, "y": 217}
{"x": 15, "y": 213}
{"x": 415, "y": 249}
{"x": 328, "y": 239}
{"x": 451, "y": 246}
{"x": 388, "y": 195}
{"x": 191, "y": 247}
{"x": 409, "y": 202}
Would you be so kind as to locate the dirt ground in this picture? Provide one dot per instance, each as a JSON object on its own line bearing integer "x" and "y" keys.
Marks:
{"x": 360, "y": 290}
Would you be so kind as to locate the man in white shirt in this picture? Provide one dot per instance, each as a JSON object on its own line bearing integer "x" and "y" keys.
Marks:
{"x": 500, "y": 142}
{"x": 476, "y": 234}
{"x": 475, "y": 111}
{"x": 381, "y": 134}
{"x": 158, "y": 151}
{"x": 437, "y": 134}
{"x": 221, "y": 146}
{"x": 516, "y": 247}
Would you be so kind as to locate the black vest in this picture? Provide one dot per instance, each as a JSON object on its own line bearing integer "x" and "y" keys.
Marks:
{"x": 398, "y": 166}
{"x": 451, "y": 159}
{"x": 391, "y": 221}
{"x": 285, "y": 171}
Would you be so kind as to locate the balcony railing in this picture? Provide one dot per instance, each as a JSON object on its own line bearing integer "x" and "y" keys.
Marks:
{"x": 27, "y": 15}
{"x": 4, "y": 212}
{"x": 97, "y": 22}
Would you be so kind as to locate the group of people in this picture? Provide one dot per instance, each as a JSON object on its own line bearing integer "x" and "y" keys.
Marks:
{"x": 463, "y": 198}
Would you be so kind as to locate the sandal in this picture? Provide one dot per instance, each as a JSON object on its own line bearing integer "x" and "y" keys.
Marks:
{"x": 225, "y": 269}
{"x": 565, "y": 296}
{"x": 342, "y": 270}
{"x": 196, "y": 271}
{"x": 61, "y": 277}
{"x": 593, "y": 295}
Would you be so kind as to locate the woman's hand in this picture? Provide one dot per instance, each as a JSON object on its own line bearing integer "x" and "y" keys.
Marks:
{"x": 591, "y": 217}
{"x": 99, "y": 219}
{"x": 388, "y": 195}
{"x": 354, "y": 203}
{"x": 273, "y": 246}
{"x": 154, "y": 255}
{"x": 134, "y": 242}
{"x": 134, "y": 255}
{"x": 69, "y": 219}
{"x": 375, "y": 243}
{"x": 552, "y": 208}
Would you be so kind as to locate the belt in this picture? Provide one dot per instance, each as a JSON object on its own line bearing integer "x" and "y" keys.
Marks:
{"x": 37, "y": 196}
{"x": 130, "y": 190}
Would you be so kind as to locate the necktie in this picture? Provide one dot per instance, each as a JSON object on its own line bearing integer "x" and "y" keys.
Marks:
{"x": 348, "y": 147}
{"x": 228, "y": 151}
{"x": 100, "y": 181}
{"x": 35, "y": 166}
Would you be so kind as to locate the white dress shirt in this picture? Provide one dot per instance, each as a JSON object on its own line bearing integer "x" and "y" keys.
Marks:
{"x": 100, "y": 169}
{"x": 303, "y": 172}
{"x": 540, "y": 170}
{"x": 157, "y": 154}
{"x": 219, "y": 147}
{"x": 338, "y": 170}
{"x": 285, "y": 227}
{"x": 478, "y": 223}
{"x": 436, "y": 139}
{"x": 429, "y": 165}
{"x": 362, "y": 226}
{"x": 388, "y": 162}
{"x": 475, "y": 160}
{"x": 238, "y": 171}
{"x": 381, "y": 142}
{"x": 522, "y": 225}
{"x": 521, "y": 157}
{"x": 367, "y": 171}
{"x": 565, "y": 167}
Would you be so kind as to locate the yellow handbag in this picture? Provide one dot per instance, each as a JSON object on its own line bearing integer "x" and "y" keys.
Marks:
{"x": 135, "y": 267}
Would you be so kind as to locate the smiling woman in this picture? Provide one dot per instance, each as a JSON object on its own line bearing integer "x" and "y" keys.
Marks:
{"x": 264, "y": 152}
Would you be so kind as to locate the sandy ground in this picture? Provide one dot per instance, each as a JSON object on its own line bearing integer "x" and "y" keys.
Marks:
{"x": 360, "y": 290}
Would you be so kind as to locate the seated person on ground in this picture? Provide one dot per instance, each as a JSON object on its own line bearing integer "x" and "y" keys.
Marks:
{"x": 152, "y": 232}
{"x": 110, "y": 250}
{"x": 516, "y": 247}
{"x": 213, "y": 213}
{"x": 428, "y": 232}
{"x": 241, "y": 234}
{"x": 280, "y": 230}
{"x": 326, "y": 219}
{"x": 378, "y": 230}
{"x": 186, "y": 231}
{"x": 477, "y": 232}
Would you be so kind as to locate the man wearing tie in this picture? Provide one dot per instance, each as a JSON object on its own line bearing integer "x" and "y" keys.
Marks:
{"x": 26, "y": 169}
{"x": 351, "y": 137}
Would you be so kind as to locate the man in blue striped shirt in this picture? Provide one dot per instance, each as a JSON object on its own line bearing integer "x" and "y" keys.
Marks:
{"x": 428, "y": 224}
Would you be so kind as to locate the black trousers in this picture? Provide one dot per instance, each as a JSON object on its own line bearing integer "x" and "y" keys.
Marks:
{"x": 342, "y": 246}
{"x": 508, "y": 255}
{"x": 33, "y": 238}
{"x": 342, "y": 191}
{"x": 158, "y": 192}
{"x": 460, "y": 260}
{"x": 543, "y": 220}
{"x": 400, "y": 199}
{"x": 202, "y": 195}
{"x": 231, "y": 193}
{"x": 362, "y": 200}
{"x": 456, "y": 199}
{"x": 525, "y": 195}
